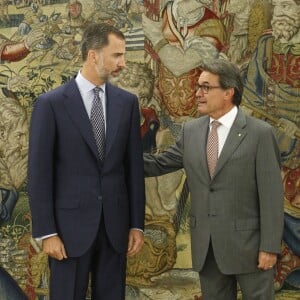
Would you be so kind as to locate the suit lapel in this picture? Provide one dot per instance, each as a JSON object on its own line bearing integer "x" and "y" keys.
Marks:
{"x": 203, "y": 131}
{"x": 114, "y": 106}
{"x": 236, "y": 135}
{"x": 76, "y": 110}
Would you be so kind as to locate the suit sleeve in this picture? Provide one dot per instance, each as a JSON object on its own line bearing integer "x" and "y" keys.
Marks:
{"x": 40, "y": 168}
{"x": 135, "y": 176}
{"x": 270, "y": 192}
{"x": 168, "y": 161}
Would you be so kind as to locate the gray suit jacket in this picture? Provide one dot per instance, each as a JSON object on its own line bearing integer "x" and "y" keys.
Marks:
{"x": 241, "y": 209}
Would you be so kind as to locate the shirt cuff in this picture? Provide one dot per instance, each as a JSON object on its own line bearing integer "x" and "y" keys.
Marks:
{"x": 139, "y": 229}
{"x": 45, "y": 236}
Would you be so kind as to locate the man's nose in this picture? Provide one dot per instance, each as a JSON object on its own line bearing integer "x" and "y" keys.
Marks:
{"x": 122, "y": 62}
{"x": 199, "y": 92}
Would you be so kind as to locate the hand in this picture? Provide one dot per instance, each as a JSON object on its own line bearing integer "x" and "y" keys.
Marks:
{"x": 135, "y": 242}
{"x": 33, "y": 37}
{"x": 54, "y": 247}
{"x": 266, "y": 260}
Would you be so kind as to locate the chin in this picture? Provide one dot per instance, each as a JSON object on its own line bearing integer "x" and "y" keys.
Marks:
{"x": 201, "y": 110}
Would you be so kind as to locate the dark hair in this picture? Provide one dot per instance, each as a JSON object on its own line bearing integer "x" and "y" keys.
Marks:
{"x": 96, "y": 35}
{"x": 229, "y": 76}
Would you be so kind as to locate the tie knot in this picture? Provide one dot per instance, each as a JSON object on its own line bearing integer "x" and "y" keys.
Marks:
{"x": 98, "y": 91}
{"x": 215, "y": 124}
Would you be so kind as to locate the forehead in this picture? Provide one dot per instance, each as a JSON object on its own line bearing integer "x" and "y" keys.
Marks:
{"x": 208, "y": 77}
{"x": 113, "y": 37}
{"x": 114, "y": 40}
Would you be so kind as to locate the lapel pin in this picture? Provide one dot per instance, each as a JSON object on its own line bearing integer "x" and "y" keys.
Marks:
{"x": 239, "y": 134}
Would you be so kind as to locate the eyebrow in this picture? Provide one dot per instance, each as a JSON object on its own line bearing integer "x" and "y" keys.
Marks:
{"x": 207, "y": 83}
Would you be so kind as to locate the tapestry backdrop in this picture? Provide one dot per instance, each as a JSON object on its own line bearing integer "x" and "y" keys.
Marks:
{"x": 166, "y": 43}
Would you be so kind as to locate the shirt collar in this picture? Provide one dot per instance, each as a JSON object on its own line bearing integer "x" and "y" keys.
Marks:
{"x": 85, "y": 85}
{"x": 227, "y": 119}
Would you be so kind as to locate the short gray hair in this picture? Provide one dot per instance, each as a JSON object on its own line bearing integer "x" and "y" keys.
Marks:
{"x": 229, "y": 76}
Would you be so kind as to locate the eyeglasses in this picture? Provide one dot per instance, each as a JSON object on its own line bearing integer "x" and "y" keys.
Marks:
{"x": 205, "y": 88}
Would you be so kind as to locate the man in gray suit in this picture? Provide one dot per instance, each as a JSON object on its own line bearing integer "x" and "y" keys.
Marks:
{"x": 236, "y": 215}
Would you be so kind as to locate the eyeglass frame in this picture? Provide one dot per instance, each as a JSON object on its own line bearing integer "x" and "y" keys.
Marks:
{"x": 205, "y": 88}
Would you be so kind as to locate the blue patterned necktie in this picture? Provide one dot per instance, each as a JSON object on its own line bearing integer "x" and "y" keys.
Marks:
{"x": 98, "y": 122}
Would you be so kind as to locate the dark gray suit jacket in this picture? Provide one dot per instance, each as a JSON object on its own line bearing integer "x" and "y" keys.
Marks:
{"x": 241, "y": 209}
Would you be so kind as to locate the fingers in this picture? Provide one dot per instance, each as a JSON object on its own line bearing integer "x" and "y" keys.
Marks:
{"x": 54, "y": 247}
{"x": 64, "y": 253}
{"x": 266, "y": 261}
{"x": 135, "y": 242}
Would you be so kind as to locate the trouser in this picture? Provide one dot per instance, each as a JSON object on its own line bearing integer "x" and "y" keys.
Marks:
{"x": 218, "y": 286}
{"x": 105, "y": 267}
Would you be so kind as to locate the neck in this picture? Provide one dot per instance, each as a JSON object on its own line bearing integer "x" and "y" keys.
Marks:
{"x": 91, "y": 75}
{"x": 220, "y": 114}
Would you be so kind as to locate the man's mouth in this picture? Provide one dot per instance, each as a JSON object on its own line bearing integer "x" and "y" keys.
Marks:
{"x": 116, "y": 72}
{"x": 201, "y": 101}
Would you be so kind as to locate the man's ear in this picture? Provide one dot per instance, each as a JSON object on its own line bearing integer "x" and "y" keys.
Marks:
{"x": 92, "y": 56}
{"x": 229, "y": 93}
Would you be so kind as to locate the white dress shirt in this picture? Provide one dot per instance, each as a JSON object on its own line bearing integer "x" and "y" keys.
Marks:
{"x": 226, "y": 124}
{"x": 86, "y": 89}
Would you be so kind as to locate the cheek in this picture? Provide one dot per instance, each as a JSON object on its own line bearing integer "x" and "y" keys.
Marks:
{"x": 109, "y": 65}
{"x": 211, "y": 102}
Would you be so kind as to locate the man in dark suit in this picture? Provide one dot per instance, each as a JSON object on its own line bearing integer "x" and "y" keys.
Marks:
{"x": 236, "y": 217}
{"x": 86, "y": 190}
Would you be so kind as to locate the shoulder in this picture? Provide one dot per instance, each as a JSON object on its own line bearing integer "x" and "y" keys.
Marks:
{"x": 256, "y": 122}
{"x": 198, "y": 121}
{"x": 201, "y": 122}
{"x": 258, "y": 126}
{"x": 60, "y": 90}
{"x": 55, "y": 96}
{"x": 114, "y": 90}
